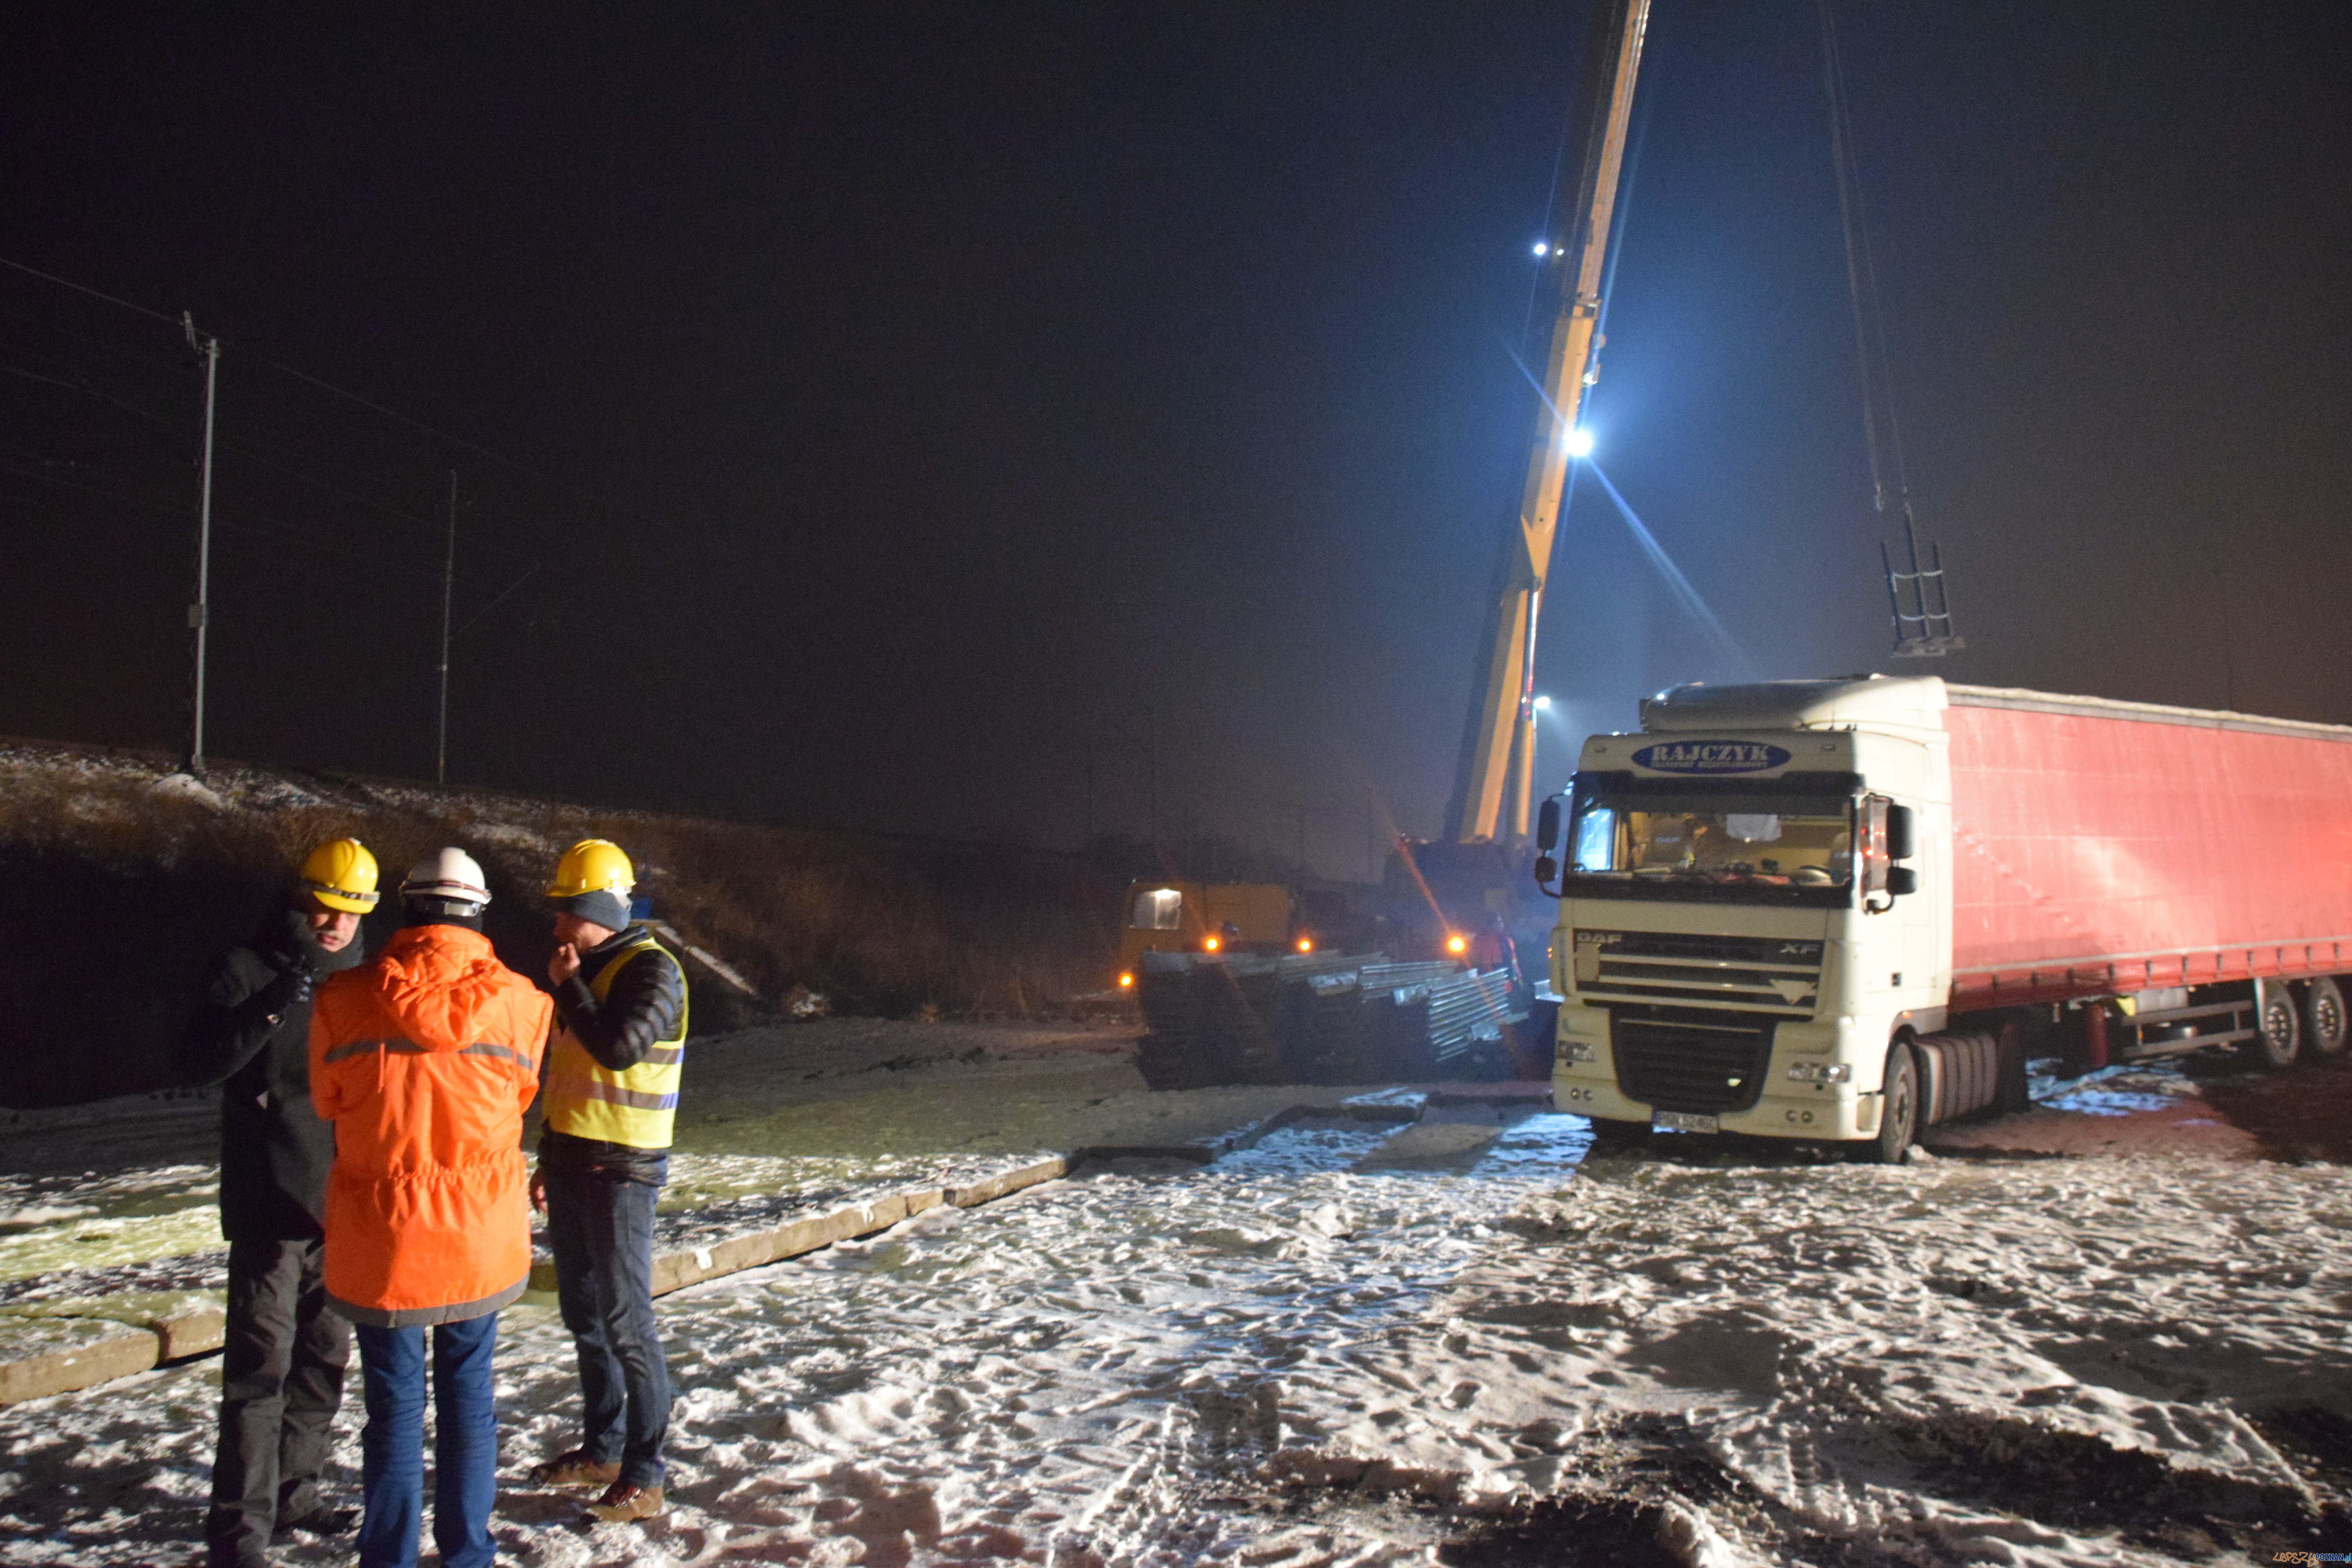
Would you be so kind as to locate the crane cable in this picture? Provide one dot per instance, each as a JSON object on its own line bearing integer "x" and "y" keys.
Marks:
{"x": 1862, "y": 282}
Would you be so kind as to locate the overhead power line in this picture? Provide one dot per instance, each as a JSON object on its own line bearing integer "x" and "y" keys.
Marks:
{"x": 86, "y": 288}
{"x": 360, "y": 399}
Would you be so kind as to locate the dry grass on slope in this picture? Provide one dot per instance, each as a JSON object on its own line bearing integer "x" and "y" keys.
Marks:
{"x": 119, "y": 881}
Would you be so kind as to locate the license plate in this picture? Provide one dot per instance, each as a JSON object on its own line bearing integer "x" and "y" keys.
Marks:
{"x": 1683, "y": 1121}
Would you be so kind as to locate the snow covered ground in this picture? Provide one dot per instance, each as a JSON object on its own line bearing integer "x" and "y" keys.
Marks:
{"x": 1461, "y": 1342}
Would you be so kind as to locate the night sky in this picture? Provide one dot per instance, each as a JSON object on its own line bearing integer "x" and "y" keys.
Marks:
{"x": 893, "y": 416}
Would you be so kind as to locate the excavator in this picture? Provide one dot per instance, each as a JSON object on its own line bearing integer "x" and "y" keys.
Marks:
{"x": 1473, "y": 883}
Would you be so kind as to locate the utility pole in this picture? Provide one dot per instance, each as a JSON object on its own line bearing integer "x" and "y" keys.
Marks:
{"x": 448, "y": 588}
{"x": 200, "y": 612}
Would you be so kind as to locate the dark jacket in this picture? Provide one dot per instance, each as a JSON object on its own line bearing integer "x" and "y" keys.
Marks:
{"x": 640, "y": 1008}
{"x": 251, "y": 1034}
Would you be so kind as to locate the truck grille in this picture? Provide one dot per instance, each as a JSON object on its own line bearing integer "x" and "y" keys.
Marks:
{"x": 1773, "y": 975}
{"x": 1708, "y": 1064}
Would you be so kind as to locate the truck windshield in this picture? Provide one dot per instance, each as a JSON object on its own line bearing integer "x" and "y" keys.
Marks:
{"x": 1686, "y": 840}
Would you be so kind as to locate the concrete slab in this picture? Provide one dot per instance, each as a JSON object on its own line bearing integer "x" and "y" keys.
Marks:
{"x": 44, "y": 1355}
{"x": 1432, "y": 1144}
{"x": 184, "y": 1322}
{"x": 1510, "y": 1091}
{"x": 1007, "y": 1182}
{"x": 676, "y": 1267}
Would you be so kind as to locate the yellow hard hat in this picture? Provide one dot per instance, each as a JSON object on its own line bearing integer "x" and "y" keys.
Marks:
{"x": 340, "y": 873}
{"x": 593, "y": 865}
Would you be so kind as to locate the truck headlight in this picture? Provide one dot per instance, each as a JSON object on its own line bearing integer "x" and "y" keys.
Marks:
{"x": 1821, "y": 1072}
{"x": 1580, "y": 1050}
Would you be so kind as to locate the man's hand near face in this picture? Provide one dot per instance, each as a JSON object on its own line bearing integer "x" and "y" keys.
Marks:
{"x": 563, "y": 963}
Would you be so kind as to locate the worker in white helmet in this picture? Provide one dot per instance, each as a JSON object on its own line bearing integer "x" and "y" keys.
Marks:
{"x": 425, "y": 1061}
{"x": 613, "y": 1078}
{"x": 284, "y": 1353}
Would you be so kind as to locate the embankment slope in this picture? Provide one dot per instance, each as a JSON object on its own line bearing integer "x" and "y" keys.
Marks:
{"x": 120, "y": 879}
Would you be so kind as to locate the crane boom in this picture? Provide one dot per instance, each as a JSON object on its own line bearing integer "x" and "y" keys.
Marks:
{"x": 1495, "y": 771}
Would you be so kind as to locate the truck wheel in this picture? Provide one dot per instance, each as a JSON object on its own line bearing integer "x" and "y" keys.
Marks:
{"x": 2327, "y": 1023}
{"x": 1899, "y": 1116}
{"x": 2278, "y": 1031}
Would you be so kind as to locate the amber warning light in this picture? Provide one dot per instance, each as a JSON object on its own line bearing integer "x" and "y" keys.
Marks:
{"x": 1457, "y": 945}
{"x": 1127, "y": 982}
{"x": 1212, "y": 945}
{"x": 1307, "y": 944}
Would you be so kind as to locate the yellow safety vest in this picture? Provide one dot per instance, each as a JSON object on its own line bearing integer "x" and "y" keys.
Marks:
{"x": 587, "y": 1099}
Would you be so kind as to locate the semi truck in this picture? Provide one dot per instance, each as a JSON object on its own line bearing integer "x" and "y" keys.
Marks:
{"x": 1845, "y": 910}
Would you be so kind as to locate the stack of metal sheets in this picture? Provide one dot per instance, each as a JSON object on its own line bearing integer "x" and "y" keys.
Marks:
{"x": 1326, "y": 1018}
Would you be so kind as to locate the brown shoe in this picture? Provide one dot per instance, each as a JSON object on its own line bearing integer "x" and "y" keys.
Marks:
{"x": 575, "y": 1468}
{"x": 622, "y": 1502}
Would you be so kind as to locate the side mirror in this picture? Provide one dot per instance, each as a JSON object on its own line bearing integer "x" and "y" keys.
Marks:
{"x": 1901, "y": 879}
{"x": 1547, "y": 869}
{"x": 1898, "y": 834}
{"x": 1547, "y": 829}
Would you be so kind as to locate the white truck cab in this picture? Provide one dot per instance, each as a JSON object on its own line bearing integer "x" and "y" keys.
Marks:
{"x": 1755, "y": 903}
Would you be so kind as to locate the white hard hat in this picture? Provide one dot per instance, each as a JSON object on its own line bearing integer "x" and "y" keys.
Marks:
{"x": 448, "y": 874}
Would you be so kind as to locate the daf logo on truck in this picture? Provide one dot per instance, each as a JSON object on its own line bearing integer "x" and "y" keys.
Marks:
{"x": 1710, "y": 757}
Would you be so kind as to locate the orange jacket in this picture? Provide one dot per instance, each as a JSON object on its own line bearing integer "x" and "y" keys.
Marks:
{"x": 425, "y": 1060}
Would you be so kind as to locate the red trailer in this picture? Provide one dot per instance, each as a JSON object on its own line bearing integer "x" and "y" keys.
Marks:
{"x": 2123, "y": 849}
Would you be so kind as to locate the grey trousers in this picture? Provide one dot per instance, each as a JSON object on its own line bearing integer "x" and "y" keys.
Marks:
{"x": 281, "y": 1380}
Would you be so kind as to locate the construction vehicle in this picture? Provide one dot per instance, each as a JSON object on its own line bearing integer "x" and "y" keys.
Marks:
{"x": 1207, "y": 917}
{"x": 1477, "y": 868}
{"x": 1846, "y": 909}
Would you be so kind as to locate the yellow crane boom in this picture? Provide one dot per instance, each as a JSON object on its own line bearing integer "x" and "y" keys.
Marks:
{"x": 1495, "y": 772}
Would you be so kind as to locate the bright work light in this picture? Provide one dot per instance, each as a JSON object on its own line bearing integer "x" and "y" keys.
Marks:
{"x": 1578, "y": 443}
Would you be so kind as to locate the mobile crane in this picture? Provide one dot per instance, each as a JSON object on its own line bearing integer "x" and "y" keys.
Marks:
{"x": 1480, "y": 868}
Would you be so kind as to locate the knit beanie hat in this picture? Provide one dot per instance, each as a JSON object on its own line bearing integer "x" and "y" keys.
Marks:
{"x": 601, "y": 906}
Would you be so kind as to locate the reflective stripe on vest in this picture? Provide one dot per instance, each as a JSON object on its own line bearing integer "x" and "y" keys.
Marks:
{"x": 587, "y": 1099}
{"x": 411, "y": 1048}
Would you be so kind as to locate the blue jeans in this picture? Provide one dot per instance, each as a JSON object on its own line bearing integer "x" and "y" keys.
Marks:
{"x": 600, "y": 1226}
{"x": 464, "y": 1443}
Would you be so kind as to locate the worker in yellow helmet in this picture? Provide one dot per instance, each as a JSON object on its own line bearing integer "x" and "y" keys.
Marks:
{"x": 612, "y": 1093}
{"x": 284, "y": 1356}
